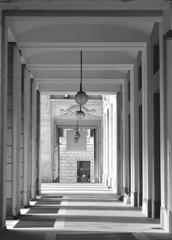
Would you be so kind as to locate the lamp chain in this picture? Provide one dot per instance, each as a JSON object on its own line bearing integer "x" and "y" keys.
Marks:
{"x": 81, "y": 71}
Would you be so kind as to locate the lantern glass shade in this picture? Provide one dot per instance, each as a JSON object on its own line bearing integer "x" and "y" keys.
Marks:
{"x": 81, "y": 98}
{"x": 77, "y": 134}
{"x": 76, "y": 139}
{"x": 80, "y": 115}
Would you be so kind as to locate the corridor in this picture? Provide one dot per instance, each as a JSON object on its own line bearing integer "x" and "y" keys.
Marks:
{"x": 81, "y": 211}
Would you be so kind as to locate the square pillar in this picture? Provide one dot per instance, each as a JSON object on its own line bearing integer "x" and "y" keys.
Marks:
{"x": 115, "y": 160}
{"x": 125, "y": 137}
{"x": 3, "y": 122}
{"x": 33, "y": 140}
{"x": 166, "y": 142}
{"x": 26, "y": 191}
{"x": 104, "y": 146}
{"x": 134, "y": 134}
{"x": 110, "y": 135}
{"x": 16, "y": 133}
{"x": 147, "y": 133}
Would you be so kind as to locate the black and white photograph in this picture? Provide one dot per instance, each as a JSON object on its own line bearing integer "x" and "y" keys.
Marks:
{"x": 85, "y": 119}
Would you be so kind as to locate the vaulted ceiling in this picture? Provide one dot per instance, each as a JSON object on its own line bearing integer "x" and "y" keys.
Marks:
{"x": 51, "y": 34}
{"x": 51, "y": 46}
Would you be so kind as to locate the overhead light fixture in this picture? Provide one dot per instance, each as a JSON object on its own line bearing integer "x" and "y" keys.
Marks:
{"x": 81, "y": 97}
{"x": 80, "y": 115}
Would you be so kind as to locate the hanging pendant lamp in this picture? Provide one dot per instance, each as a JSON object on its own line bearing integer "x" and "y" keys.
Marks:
{"x": 77, "y": 134}
{"x": 80, "y": 115}
{"x": 81, "y": 97}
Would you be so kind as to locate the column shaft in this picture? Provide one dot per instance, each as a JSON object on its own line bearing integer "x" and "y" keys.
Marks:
{"x": 26, "y": 138}
{"x": 34, "y": 146}
{"x": 115, "y": 162}
{"x": 125, "y": 138}
{"x": 147, "y": 133}
{"x": 134, "y": 139}
{"x": 4, "y": 86}
{"x": 16, "y": 132}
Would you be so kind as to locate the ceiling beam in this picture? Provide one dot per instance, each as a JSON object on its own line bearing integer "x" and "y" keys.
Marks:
{"x": 84, "y": 46}
{"x": 83, "y": 13}
{"x": 90, "y": 67}
{"x": 74, "y": 81}
{"x": 89, "y": 88}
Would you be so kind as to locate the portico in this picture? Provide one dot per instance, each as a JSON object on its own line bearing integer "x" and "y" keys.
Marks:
{"x": 127, "y": 75}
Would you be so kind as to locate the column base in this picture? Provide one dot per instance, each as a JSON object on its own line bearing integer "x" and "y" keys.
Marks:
{"x": 134, "y": 199}
{"x": 109, "y": 180}
{"x": 9, "y": 207}
{"x": 3, "y": 229}
{"x": 147, "y": 207}
{"x": 114, "y": 186}
{"x": 166, "y": 219}
{"x": 125, "y": 190}
{"x": 105, "y": 179}
{"x": 156, "y": 209}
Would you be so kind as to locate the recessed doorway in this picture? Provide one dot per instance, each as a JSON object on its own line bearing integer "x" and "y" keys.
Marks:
{"x": 83, "y": 171}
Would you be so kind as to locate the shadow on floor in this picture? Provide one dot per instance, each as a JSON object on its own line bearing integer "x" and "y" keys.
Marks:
{"x": 22, "y": 235}
{"x": 110, "y": 219}
{"x": 94, "y": 236}
{"x": 100, "y": 208}
{"x": 40, "y": 215}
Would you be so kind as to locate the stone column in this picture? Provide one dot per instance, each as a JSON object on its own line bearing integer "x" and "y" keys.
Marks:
{"x": 101, "y": 153}
{"x": 4, "y": 93}
{"x": 119, "y": 143}
{"x": 107, "y": 148}
{"x": 104, "y": 146}
{"x": 45, "y": 135}
{"x": 97, "y": 153}
{"x": 163, "y": 130}
{"x": 33, "y": 132}
{"x": 110, "y": 141}
{"x": 26, "y": 137}
{"x": 16, "y": 132}
{"x": 134, "y": 136}
{"x": 38, "y": 177}
{"x": 169, "y": 133}
{"x": 125, "y": 137}
{"x": 147, "y": 131}
{"x": 114, "y": 146}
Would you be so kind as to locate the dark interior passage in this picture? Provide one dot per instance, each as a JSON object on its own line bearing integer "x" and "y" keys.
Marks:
{"x": 83, "y": 171}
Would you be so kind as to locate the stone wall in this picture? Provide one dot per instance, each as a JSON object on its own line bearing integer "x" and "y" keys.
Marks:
{"x": 68, "y": 160}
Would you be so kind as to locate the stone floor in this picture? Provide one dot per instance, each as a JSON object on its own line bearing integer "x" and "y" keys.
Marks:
{"x": 81, "y": 211}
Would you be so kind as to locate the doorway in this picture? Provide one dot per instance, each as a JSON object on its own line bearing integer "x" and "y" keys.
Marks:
{"x": 83, "y": 171}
